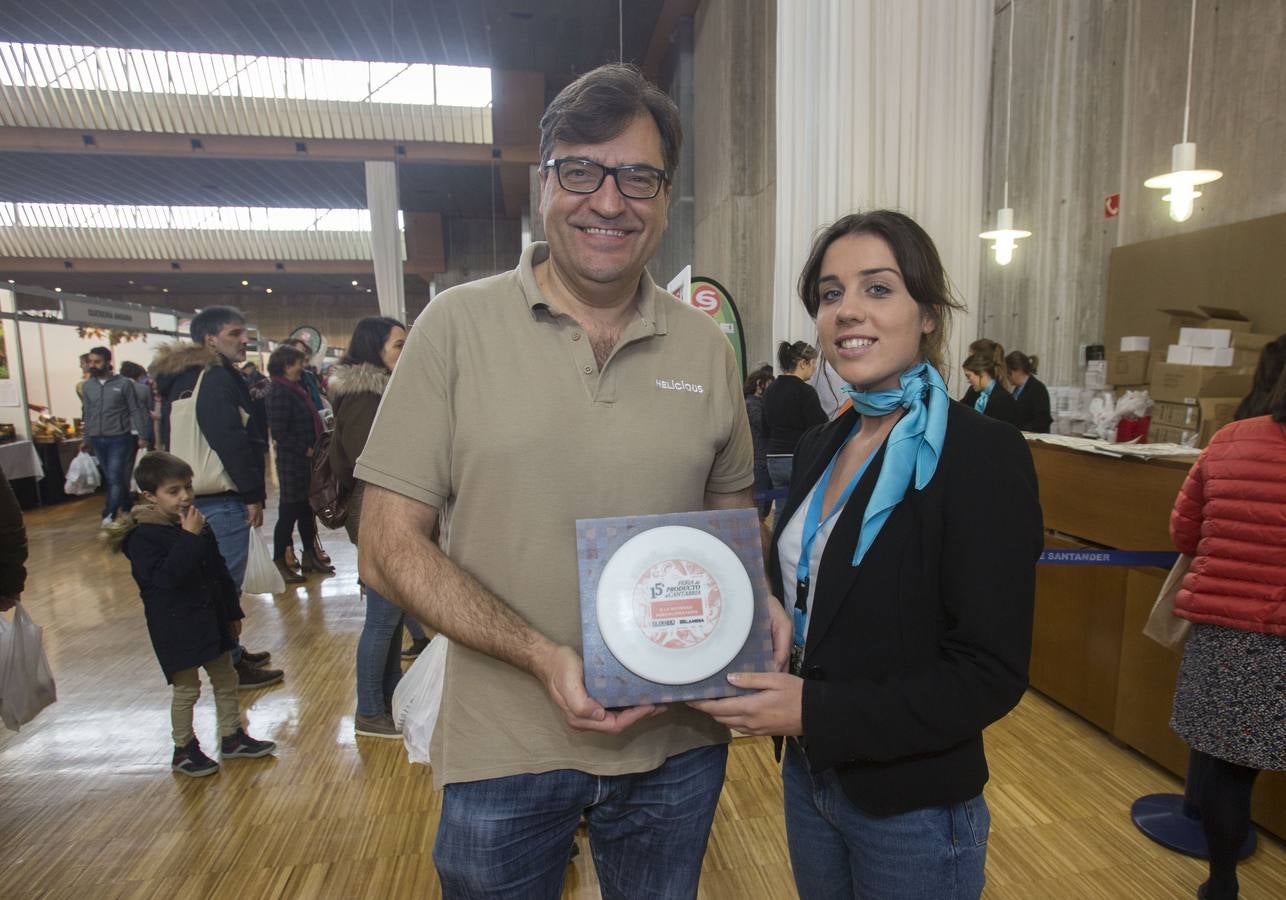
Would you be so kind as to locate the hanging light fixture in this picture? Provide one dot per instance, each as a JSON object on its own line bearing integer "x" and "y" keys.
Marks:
{"x": 1005, "y": 236}
{"x": 1184, "y": 176}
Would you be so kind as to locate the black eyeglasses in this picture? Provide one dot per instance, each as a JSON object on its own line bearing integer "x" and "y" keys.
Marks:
{"x": 584, "y": 176}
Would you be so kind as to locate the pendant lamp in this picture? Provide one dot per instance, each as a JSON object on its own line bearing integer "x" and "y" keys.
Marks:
{"x": 1184, "y": 176}
{"x": 1005, "y": 236}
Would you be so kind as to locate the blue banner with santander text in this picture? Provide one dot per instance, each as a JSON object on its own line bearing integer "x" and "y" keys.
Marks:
{"x": 1059, "y": 556}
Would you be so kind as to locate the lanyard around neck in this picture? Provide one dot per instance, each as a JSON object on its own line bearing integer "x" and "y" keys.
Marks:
{"x": 813, "y": 520}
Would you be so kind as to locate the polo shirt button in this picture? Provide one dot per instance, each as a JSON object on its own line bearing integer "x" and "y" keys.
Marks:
{"x": 575, "y": 335}
{"x": 588, "y": 369}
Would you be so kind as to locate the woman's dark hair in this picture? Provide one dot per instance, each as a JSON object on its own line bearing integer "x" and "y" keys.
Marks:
{"x": 917, "y": 258}
{"x": 996, "y": 351}
{"x": 756, "y": 380}
{"x": 602, "y": 103}
{"x": 158, "y": 467}
{"x": 979, "y": 362}
{"x": 283, "y": 358}
{"x": 1277, "y": 399}
{"x": 1268, "y": 377}
{"x": 789, "y": 355}
{"x": 1021, "y": 362}
{"x": 367, "y": 343}
{"x": 132, "y": 370}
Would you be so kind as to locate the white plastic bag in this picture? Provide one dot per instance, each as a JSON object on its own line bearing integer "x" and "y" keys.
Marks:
{"x": 26, "y": 684}
{"x": 138, "y": 458}
{"x": 82, "y": 476}
{"x": 262, "y": 576}
{"x": 418, "y": 698}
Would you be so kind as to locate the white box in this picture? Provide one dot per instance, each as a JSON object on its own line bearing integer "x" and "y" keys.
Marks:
{"x": 1179, "y": 353}
{"x": 1205, "y": 337}
{"x": 1212, "y": 356}
{"x": 1135, "y": 343}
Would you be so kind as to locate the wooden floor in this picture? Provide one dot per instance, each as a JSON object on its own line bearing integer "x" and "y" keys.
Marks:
{"x": 89, "y": 807}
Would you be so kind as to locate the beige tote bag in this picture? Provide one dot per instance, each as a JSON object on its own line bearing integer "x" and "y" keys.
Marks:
{"x": 188, "y": 443}
{"x": 1163, "y": 625}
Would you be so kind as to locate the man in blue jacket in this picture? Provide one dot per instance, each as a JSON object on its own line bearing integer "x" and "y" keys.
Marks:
{"x": 115, "y": 426}
{"x": 237, "y": 432}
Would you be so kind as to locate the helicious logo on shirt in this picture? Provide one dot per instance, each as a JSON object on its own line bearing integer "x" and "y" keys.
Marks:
{"x": 668, "y": 384}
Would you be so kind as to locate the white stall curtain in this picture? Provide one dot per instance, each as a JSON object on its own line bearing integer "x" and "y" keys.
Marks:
{"x": 881, "y": 103}
{"x": 386, "y": 238}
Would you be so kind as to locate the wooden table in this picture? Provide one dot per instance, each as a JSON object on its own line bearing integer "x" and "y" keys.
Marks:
{"x": 1088, "y": 648}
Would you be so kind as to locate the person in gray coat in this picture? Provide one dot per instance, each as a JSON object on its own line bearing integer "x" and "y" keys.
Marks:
{"x": 116, "y": 425}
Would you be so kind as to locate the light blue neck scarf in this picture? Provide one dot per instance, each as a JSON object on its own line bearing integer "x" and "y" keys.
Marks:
{"x": 914, "y": 446}
{"x": 983, "y": 396}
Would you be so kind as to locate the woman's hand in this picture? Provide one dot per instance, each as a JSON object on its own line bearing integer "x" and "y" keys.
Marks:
{"x": 777, "y": 708}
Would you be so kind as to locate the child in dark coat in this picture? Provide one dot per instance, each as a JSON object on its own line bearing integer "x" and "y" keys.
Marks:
{"x": 193, "y": 608}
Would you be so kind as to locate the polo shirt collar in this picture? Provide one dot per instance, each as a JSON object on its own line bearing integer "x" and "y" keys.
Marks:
{"x": 650, "y": 311}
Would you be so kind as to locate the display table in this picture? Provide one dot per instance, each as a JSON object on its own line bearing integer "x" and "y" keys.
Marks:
{"x": 37, "y": 471}
{"x": 1088, "y": 648}
{"x": 20, "y": 460}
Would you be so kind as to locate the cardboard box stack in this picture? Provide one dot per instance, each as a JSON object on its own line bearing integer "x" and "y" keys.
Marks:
{"x": 1205, "y": 372}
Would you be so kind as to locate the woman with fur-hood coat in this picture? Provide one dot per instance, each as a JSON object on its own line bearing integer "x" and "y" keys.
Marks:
{"x": 355, "y": 392}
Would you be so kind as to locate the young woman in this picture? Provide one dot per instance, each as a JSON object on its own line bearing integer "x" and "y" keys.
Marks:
{"x": 1029, "y": 393}
{"x": 791, "y": 407}
{"x": 990, "y": 397}
{"x": 355, "y": 388}
{"x": 991, "y": 350}
{"x": 912, "y": 624}
{"x": 296, "y": 427}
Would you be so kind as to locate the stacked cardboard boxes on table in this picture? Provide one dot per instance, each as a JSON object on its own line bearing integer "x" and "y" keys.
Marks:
{"x": 1197, "y": 382}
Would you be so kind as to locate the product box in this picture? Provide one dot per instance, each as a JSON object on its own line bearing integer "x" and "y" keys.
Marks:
{"x": 1205, "y": 337}
{"x": 1204, "y": 317}
{"x": 1166, "y": 434}
{"x": 1179, "y": 355}
{"x": 1175, "y": 383}
{"x": 1136, "y": 342}
{"x": 1212, "y": 356}
{"x": 1127, "y": 367}
{"x": 1251, "y": 340}
{"x": 1177, "y": 415}
{"x": 1216, "y": 412}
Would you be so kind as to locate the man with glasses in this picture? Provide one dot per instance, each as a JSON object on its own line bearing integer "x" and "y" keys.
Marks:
{"x": 572, "y": 387}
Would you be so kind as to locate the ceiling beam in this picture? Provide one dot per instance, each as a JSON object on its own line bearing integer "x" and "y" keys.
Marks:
{"x": 15, "y": 264}
{"x": 66, "y": 140}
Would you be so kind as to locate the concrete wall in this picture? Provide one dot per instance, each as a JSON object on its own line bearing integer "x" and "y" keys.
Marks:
{"x": 735, "y": 163}
{"x": 1097, "y": 104}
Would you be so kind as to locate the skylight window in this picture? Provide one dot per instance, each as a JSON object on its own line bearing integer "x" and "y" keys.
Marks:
{"x": 237, "y": 75}
{"x": 187, "y": 218}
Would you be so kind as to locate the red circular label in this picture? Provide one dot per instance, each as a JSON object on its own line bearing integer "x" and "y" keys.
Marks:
{"x": 706, "y": 299}
{"x": 677, "y": 603}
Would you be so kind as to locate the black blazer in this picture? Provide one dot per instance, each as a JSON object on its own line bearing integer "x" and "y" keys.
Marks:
{"x": 1033, "y": 407}
{"x": 912, "y": 654}
{"x": 1001, "y": 405}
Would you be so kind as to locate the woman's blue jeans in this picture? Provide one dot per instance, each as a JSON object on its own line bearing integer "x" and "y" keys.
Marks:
{"x": 839, "y": 852}
{"x": 379, "y": 655}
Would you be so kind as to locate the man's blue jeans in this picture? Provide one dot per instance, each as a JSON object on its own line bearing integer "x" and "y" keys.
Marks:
{"x": 227, "y": 519}
{"x": 839, "y": 852}
{"x": 512, "y": 837}
{"x": 379, "y": 655}
{"x": 116, "y": 455}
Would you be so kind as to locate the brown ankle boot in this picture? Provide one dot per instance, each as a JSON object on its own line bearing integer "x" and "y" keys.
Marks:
{"x": 320, "y": 552}
{"x": 291, "y": 560}
{"x": 312, "y": 564}
{"x": 288, "y": 573}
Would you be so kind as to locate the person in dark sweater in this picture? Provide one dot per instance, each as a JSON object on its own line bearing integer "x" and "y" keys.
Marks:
{"x": 1029, "y": 393}
{"x": 13, "y": 547}
{"x": 990, "y": 397}
{"x": 791, "y": 407}
{"x": 753, "y": 390}
{"x": 993, "y": 351}
{"x": 192, "y": 606}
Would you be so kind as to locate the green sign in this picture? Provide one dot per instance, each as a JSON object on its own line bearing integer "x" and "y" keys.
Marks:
{"x": 712, "y": 298}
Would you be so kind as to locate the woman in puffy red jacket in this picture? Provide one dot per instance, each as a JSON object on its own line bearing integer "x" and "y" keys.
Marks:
{"x": 1230, "y": 702}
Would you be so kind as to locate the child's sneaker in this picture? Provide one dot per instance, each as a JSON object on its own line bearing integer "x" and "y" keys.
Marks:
{"x": 240, "y": 744}
{"x": 191, "y": 761}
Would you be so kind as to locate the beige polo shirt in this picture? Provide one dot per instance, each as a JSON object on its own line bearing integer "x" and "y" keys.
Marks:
{"x": 497, "y": 415}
